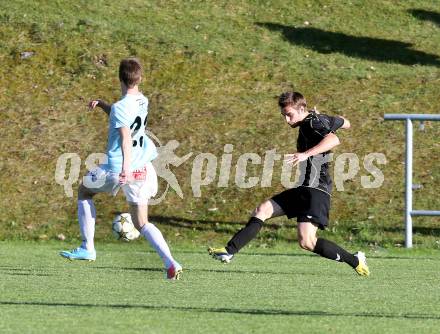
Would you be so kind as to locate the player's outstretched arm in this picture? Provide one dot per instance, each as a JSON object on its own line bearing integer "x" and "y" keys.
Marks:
{"x": 326, "y": 144}
{"x": 103, "y": 105}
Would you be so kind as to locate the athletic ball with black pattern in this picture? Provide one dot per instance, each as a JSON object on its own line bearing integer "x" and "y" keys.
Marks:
{"x": 123, "y": 228}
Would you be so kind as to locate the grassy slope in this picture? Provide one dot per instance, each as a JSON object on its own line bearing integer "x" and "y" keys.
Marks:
{"x": 212, "y": 72}
{"x": 285, "y": 293}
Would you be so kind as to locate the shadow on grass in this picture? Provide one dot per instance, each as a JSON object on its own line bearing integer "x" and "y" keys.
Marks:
{"x": 13, "y": 271}
{"x": 305, "y": 254}
{"x": 232, "y": 271}
{"x": 246, "y": 253}
{"x": 426, "y": 15}
{"x": 267, "y": 312}
{"x": 204, "y": 225}
{"x": 225, "y": 227}
{"x": 24, "y": 274}
{"x": 375, "y": 49}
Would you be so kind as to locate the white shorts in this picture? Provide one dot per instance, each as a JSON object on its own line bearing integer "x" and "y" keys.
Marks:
{"x": 138, "y": 191}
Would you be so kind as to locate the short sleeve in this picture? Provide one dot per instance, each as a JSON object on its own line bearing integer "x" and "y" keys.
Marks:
{"x": 324, "y": 124}
{"x": 119, "y": 117}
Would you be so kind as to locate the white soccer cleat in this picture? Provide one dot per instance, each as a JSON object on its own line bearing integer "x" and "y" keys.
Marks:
{"x": 362, "y": 268}
{"x": 220, "y": 254}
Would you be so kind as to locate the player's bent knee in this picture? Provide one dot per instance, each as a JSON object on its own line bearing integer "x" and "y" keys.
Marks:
{"x": 263, "y": 211}
{"x": 306, "y": 244}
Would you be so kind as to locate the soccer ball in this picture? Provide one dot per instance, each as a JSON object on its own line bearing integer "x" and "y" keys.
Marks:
{"x": 123, "y": 228}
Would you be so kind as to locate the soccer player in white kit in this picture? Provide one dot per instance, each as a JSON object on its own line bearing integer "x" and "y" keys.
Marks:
{"x": 129, "y": 153}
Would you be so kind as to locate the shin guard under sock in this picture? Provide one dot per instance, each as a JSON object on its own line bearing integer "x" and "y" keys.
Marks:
{"x": 330, "y": 250}
{"x": 244, "y": 236}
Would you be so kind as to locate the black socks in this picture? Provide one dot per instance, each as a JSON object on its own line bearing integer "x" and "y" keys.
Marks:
{"x": 331, "y": 251}
{"x": 323, "y": 247}
{"x": 246, "y": 234}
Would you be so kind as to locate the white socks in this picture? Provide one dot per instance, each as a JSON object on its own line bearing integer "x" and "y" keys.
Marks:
{"x": 155, "y": 238}
{"x": 86, "y": 219}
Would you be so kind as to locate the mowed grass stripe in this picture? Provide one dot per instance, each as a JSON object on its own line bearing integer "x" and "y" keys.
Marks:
{"x": 228, "y": 310}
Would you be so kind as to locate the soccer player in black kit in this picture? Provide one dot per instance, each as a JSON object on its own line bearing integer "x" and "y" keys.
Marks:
{"x": 310, "y": 201}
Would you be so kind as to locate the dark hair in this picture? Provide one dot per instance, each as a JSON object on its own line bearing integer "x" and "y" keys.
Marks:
{"x": 130, "y": 71}
{"x": 293, "y": 99}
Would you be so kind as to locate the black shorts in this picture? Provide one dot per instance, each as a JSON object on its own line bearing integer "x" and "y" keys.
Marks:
{"x": 307, "y": 204}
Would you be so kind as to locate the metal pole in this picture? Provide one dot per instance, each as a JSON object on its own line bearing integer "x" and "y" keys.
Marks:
{"x": 408, "y": 169}
{"x": 408, "y": 183}
{"x": 425, "y": 213}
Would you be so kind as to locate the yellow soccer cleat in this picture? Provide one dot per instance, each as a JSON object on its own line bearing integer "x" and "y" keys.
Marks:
{"x": 220, "y": 254}
{"x": 362, "y": 268}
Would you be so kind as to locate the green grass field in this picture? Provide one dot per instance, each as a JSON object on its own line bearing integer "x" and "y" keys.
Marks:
{"x": 282, "y": 290}
{"x": 213, "y": 70}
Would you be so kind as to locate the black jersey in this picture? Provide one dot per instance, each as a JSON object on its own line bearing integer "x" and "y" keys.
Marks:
{"x": 315, "y": 170}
